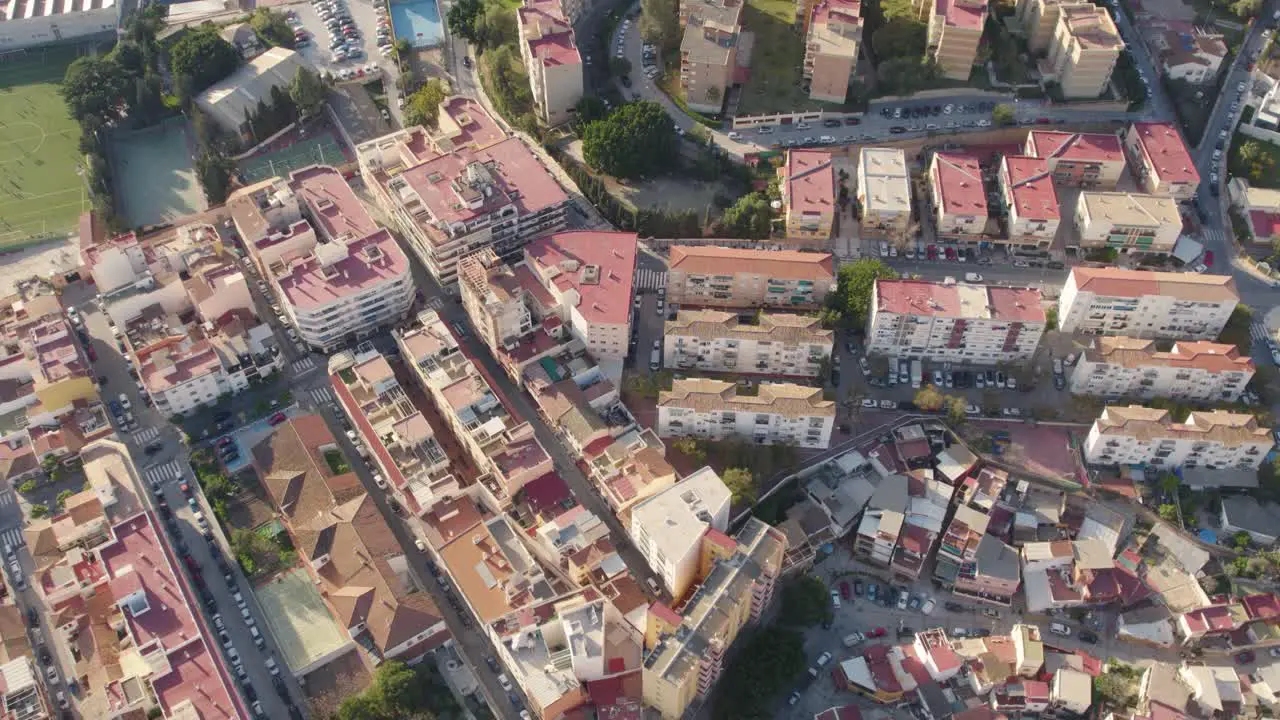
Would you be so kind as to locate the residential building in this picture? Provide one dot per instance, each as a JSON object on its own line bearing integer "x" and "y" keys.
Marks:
{"x": 711, "y": 276}
{"x": 668, "y": 527}
{"x": 1038, "y": 20}
{"x": 807, "y": 180}
{"x": 1161, "y": 162}
{"x": 550, "y": 53}
{"x": 927, "y": 506}
{"x": 1127, "y": 222}
{"x": 778, "y": 412}
{"x": 1188, "y": 52}
{"x": 350, "y": 552}
{"x": 954, "y": 32}
{"x": 1137, "y": 435}
{"x": 1260, "y": 207}
{"x": 1146, "y": 304}
{"x": 1196, "y": 371}
{"x": 1093, "y": 161}
{"x": 1084, "y": 50}
{"x": 1241, "y": 513}
{"x": 955, "y": 322}
{"x": 831, "y": 49}
{"x": 1028, "y": 197}
{"x": 957, "y": 199}
{"x": 959, "y": 544}
{"x": 462, "y": 188}
{"x": 500, "y": 446}
{"x": 685, "y": 651}
{"x": 709, "y": 52}
{"x": 23, "y": 696}
{"x": 229, "y": 101}
{"x": 774, "y": 344}
{"x": 882, "y": 522}
{"x": 884, "y": 193}
{"x": 338, "y": 275}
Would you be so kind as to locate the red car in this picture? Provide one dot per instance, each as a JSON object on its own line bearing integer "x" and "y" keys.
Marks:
{"x": 277, "y": 418}
{"x": 878, "y": 632}
{"x": 844, "y": 590}
{"x": 93, "y": 355}
{"x": 225, "y": 441}
{"x": 186, "y": 489}
{"x": 951, "y": 253}
{"x": 1208, "y": 258}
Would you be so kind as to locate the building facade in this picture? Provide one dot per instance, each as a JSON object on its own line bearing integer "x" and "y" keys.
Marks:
{"x": 1146, "y": 304}
{"x": 550, "y": 52}
{"x": 1028, "y": 197}
{"x": 884, "y": 193}
{"x": 1127, "y": 222}
{"x": 1160, "y": 160}
{"x": 711, "y": 276}
{"x": 957, "y": 198}
{"x": 709, "y": 52}
{"x": 1131, "y": 367}
{"x": 1084, "y": 50}
{"x": 719, "y": 341}
{"x": 1092, "y": 161}
{"x": 668, "y": 527}
{"x": 831, "y": 49}
{"x": 954, "y": 32}
{"x": 779, "y": 412}
{"x": 1136, "y": 435}
{"x": 808, "y": 185}
{"x": 950, "y": 322}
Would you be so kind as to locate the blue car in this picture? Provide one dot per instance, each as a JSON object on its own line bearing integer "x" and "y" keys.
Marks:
{"x": 116, "y": 409}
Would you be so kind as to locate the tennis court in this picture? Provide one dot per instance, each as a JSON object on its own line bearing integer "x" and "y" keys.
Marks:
{"x": 322, "y": 149}
{"x": 155, "y": 175}
{"x": 41, "y": 193}
{"x": 300, "y": 622}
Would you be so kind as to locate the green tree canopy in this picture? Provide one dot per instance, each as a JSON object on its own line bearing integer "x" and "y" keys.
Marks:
{"x": 806, "y": 601}
{"x": 1168, "y": 512}
{"x": 907, "y": 74}
{"x": 1002, "y": 114}
{"x": 660, "y": 22}
{"x": 397, "y": 691}
{"x": 214, "y": 172}
{"x": 129, "y": 57}
{"x": 741, "y": 484}
{"x": 203, "y": 58}
{"x": 635, "y": 140}
{"x": 854, "y": 286}
{"x": 899, "y": 37}
{"x": 1236, "y": 331}
{"x": 1256, "y": 160}
{"x": 496, "y": 26}
{"x": 768, "y": 664}
{"x": 591, "y": 108}
{"x": 929, "y": 398}
{"x": 94, "y": 86}
{"x": 272, "y": 27}
{"x": 463, "y": 16}
{"x": 307, "y": 92}
{"x": 423, "y": 107}
{"x": 750, "y": 217}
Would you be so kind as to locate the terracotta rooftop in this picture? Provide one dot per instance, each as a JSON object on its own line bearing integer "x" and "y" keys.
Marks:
{"x": 1117, "y": 282}
{"x": 702, "y": 394}
{"x": 809, "y": 182}
{"x": 985, "y": 302}
{"x": 548, "y": 34}
{"x": 965, "y": 14}
{"x": 599, "y": 267}
{"x": 782, "y": 264}
{"x": 1076, "y": 147}
{"x": 1164, "y": 151}
{"x": 957, "y": 178}
{"x": 333, "y": 271}
{"x": 1230, "y": 429}
{"x": 1137, "y": 353}
{"x": 1031, "y": 187}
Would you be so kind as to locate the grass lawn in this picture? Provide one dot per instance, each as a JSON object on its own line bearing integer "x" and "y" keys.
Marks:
{"x": 337, "y": 462}
{"x": 776, "y": 60}
{"x": 40, "y": 192}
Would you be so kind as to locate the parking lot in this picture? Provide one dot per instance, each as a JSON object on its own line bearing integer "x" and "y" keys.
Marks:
{"x": 363, "y": 17}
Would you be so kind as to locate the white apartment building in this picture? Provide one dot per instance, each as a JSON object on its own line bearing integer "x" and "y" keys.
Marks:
{"x": 1146, "y": 304}
{"x": 884, "y": 193}
{"x": 717, "y": 340}
{"x": 550, "y": 53}
{"x": 1128, "y": 222}
{"x": 713, "y": 276}
{"x": 1137, "y": 435}
{"x": 779, "y": 412}
{"x": 667, "y": 528}
{"x": 955, "y": 322}
{"x": 1132, "y": 367}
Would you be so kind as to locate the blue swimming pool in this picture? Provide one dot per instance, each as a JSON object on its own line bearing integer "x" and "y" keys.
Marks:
{"x": 417, "y": 21}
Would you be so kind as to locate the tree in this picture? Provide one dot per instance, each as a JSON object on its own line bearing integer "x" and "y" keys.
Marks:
{"x": 272, "y": 27}
{"x": 1256, "y": 161}
{"x": 957, "y": 410}
{"x": 1241, "y": 540}
{"x": 767, "y": 666}
{"x": 307, "y": 92}
{"x": 806, "y": 602}
{"x": 61, "y": 500}
{"x": 397, "y": 691}
{"x": 496, "y": 26}
{"x": 929, "y": 399}
{"x": 1002, "y": 114}
{"x": 1245, "y": 9}
{"x": 423, "y": 107}
{"x": 854, "y": 285}
{"x": 39, "y": 510}
{"x": 27, "y": 487}
{"x": 1114, "y": 689}
{"x": 899, "y": 37}
{"x": 129, "y": 57}
{"x": 660, "y": 22}
{"x": 203, "y": 58}
{"x": 463, "y": 16}
{"x": 1168, "y": 512}
{"x": 1051, "y": 318}
{"x": 258, "y": 554}
{"x": 907, "y": 74}
{"x": 1236, "y": 331}
{"x": 591, "y": 108}
{"x": 635, "y": 140}
{"x": 690, "y": 448}
{"x": 214, "y": 171}
{"x": 750, "y": 217}
{"x": 1169, "y": 484}
{"x": 741, "y": 484}
{"x": 94, "y": 86}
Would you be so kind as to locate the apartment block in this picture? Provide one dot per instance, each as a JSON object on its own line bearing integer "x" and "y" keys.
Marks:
{"x": 1026, "y": 191}
{"x": 685, "y": 650}
{"x": 955, "y": 30}
{"x": 834, "y": 33}
{"x": 1134, "y": 367}
{"x": 1127, "y": 222}
{"x": 461, "y": 189}
{"x": 1260, "y": 206}
{"x": 882, "y": 522}
{"x": 338, "y": 275}
{"x": 1093, "y": 161}
{"x": 1136, "y": 435}
{"x": 501, "y": 447}
{"x": 769, "y": 344}
{"x": 808, "y": 183}
{"x": 711, "y": 276}
{"x": 1142, "y": 303}
{"x": 1189, "y": 53}
{"x": 1038, "y": 20}
{"x": 1160, "y": 160}
{"x": 954, "y": 322}
{"x": 668, "y": 528}
{"x": 884, "y": 193}
{"x": 709, "y": 51}
{"x": 957, "y": 199}
{"x": 715, "y": 410}
{"x": 927, "y": 503}
{"x": 1084, "y": 50}
{"x": 550, "y": 53}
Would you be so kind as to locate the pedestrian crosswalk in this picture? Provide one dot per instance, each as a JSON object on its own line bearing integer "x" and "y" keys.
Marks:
{"x": 7, "y": 498}
{"x": 146, "y": 434}
{"x": 12, "y": 536}
{"x": 306, "y": 364}
{"x": 161, "y": 474}
{"x": 647, "y": 279}
{"x": 1259, "y": 331}
{"x": 1213, "y": 237}
{"x": 321, "y": 395}
{"x": 435, "y": 303}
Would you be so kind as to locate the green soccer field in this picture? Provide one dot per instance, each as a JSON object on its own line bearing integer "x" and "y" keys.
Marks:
{"x": 40, "y": 191}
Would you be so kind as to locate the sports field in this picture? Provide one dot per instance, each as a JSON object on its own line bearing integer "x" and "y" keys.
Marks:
{"x": 319, "y": 150}
{"x": 40, "y": 190}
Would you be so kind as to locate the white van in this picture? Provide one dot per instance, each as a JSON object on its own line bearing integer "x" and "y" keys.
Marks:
{"x": 1058, "y": 628}
{"x": 853, "y": 639}
{"x": 257, "y": 638}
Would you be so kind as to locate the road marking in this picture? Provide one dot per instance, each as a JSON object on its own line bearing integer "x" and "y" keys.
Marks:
{"x": 647, "y": 279}
{"x": 13, "y": 536}
{"x": 161, "y": 474}
{"x": 8, "y": 497}
{"x": 305, "y": 364}
{"x": 321, "y": 395}
{"x": 436, "y": 303}
{"x": 146, "y": 434}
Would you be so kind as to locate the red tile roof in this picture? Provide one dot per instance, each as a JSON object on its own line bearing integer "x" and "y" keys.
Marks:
{"x": 922, "y": 297}
{"x": 968, "y": 15}
{"x": 369, "y": 262}
{"x": 605, "y": 295}
{"x": 810, "y": 182}
{"x": 1076, "y": 147}
{"x": 1263, "y": 606}
{"x": 957, "y": 177}
{"x": 1266, "y": 225}
{"x": 1031, "y": 187}
{"x": 1164, "y": 151}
